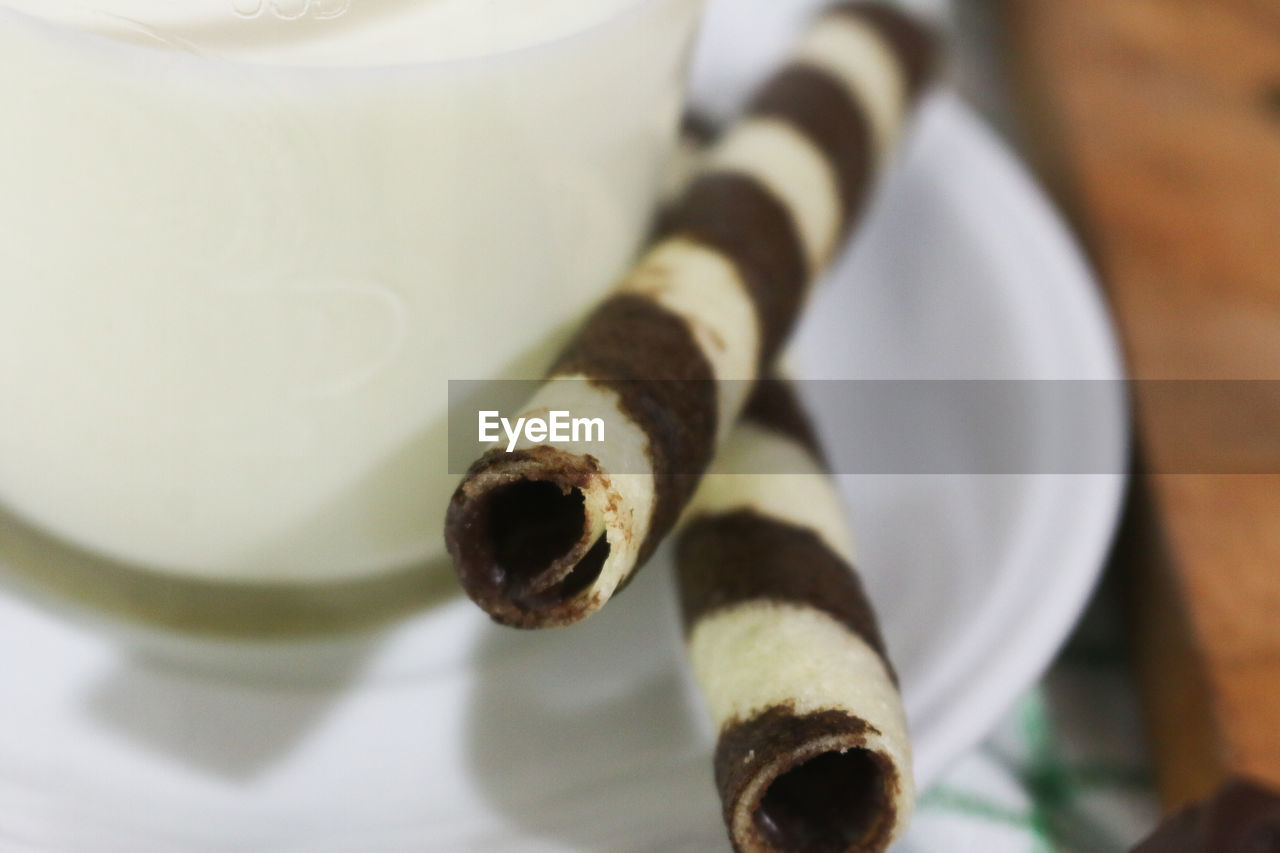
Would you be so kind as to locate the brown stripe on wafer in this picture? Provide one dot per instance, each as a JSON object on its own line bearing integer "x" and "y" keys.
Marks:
{"x": 727, "y": 559}
{"x": 774, "y": 405}
{"x": 839, "y": 799}
{"x": 698, "y": 128}
{"x": 913, "y": 45}
{"x": 735, "y": 215}
{"x": 821, "y": 107}
{"x": 697, "y": 133}
{"x": 650, "y": 358}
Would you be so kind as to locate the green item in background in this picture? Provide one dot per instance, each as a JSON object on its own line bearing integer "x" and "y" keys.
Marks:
{"x": 1066, "y": 770}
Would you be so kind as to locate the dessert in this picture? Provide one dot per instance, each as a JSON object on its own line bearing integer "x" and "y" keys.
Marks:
{"x": 812, "y": 751}
{"x": 545, "y": 535}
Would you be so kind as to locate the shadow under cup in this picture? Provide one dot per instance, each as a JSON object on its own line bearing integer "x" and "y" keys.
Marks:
{"x": 233, "y": 294}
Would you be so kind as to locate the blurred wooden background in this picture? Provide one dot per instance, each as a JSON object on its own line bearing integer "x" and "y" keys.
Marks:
{"x": 1157, "y": 125}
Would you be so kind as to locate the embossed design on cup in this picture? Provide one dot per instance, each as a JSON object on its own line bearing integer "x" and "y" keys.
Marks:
{"x": 291, "y": 10}
{"x": 341, "y": 335}
{"x": 327, "y": 303}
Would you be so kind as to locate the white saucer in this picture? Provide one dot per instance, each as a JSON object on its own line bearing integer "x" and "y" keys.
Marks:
{"x": 965, "y": 272}
{"x": 447, "y": 733}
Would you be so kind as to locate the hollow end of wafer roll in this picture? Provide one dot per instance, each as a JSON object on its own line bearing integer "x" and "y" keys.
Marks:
{"x": 830, "y": 795}
{"x": 526, "y": 541}
{"x": 540, "y": 539}
{"x": 812, "y": 750}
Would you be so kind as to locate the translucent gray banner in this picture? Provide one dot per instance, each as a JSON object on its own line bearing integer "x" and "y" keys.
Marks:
{"x": 953, "y": 426}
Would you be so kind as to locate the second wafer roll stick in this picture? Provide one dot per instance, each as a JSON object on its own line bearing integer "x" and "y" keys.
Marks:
{"x": 812, "y": 750}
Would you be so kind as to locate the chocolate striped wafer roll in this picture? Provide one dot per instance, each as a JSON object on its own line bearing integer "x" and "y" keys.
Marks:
{"x": 812, "y": 751}
{"x": 543, "y": 534}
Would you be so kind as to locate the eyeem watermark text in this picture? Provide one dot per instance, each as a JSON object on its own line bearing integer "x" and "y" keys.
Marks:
{"x": 557, "y": 426}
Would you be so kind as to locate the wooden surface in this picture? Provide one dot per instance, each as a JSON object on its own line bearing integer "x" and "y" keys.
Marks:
{"x": 1157, "y": 122}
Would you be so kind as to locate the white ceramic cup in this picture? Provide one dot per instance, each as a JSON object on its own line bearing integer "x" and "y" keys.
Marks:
{"x": 233, "y": 288}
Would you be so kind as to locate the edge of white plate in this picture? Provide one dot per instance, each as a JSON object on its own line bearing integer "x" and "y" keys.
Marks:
{"x": 1011, "y": 668}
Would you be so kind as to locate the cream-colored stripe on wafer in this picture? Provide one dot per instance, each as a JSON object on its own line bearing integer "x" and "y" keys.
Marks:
{"x": 790, "y": 486}
{"x": 761, "y": 654}
{"x": 704, "y": 288}
{"x": 622, "y": 507}
{"x": 854, "y": 53}
{"x": 795, "y": 171}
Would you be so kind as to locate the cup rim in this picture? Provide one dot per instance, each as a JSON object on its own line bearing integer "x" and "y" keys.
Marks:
{"x": 192, "y": 57}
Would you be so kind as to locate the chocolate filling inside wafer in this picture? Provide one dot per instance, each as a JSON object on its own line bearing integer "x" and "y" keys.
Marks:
{"x": 833, "y": 802}
{"x": 535, "y": 525}
{"x": 521, "y": 546}
{"x": 840, "y": 799}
